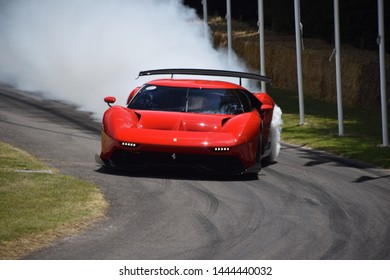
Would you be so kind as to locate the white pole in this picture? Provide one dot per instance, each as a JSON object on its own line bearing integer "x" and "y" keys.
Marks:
{"x": 338, "y": 67}
{"x": 261, "y": 38}
{"x": 205, "y": 19}
{"x": 298, "y": 41}
{"x": 229, "y": 31}
{"x": 381, "y": 42}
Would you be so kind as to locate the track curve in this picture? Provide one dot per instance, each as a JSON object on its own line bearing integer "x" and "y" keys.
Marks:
{"x": 309, "y": 205}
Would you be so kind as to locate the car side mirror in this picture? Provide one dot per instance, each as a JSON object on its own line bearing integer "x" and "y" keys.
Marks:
{"x": 266, "y": 107}
{"x": 109, "y": 100}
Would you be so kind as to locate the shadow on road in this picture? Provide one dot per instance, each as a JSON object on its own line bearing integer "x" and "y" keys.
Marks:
{"x": 176, "y": 173}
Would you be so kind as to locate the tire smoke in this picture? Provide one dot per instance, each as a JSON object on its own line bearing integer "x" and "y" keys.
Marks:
{"x": 80, "y": 51}
{"x": 276, "y": 129}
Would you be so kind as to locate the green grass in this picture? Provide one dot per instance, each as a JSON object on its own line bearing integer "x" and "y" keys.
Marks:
{"x": 362, "y": 129}
{"x": 36, "y": 208}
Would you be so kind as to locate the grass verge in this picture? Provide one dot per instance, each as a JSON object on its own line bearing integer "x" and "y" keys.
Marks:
{"x": 362, "y": 129}
{"x": 40, "y": 206}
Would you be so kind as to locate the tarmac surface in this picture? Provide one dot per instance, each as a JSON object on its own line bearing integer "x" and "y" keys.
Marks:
{"x": 308, "y": 205}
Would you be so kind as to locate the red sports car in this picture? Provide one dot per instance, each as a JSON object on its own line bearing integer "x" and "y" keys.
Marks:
{"x": 215, "y": 126}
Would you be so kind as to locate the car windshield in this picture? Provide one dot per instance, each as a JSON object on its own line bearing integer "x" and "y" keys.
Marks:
{"x": 195, "y": 100}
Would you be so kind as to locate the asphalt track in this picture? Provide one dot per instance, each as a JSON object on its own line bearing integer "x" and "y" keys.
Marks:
{"x": 309, "y": 205}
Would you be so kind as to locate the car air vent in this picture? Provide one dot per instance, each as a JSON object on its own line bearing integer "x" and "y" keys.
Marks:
{"x": 138, "y": 115}
{"x": 225, "y": 120}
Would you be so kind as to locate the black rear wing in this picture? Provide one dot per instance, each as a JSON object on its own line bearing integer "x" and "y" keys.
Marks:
{"x": 206, "y": 72}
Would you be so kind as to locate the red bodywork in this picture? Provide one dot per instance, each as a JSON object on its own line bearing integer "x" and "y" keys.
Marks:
{"x": 215, "y": 143}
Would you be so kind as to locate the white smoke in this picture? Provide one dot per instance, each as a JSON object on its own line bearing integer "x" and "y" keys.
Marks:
{"x": 275, "y": 130}
{"x": 83, "y": 50}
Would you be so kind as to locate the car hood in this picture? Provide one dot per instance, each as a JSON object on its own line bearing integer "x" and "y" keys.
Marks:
{"x": 180, "y": 121}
